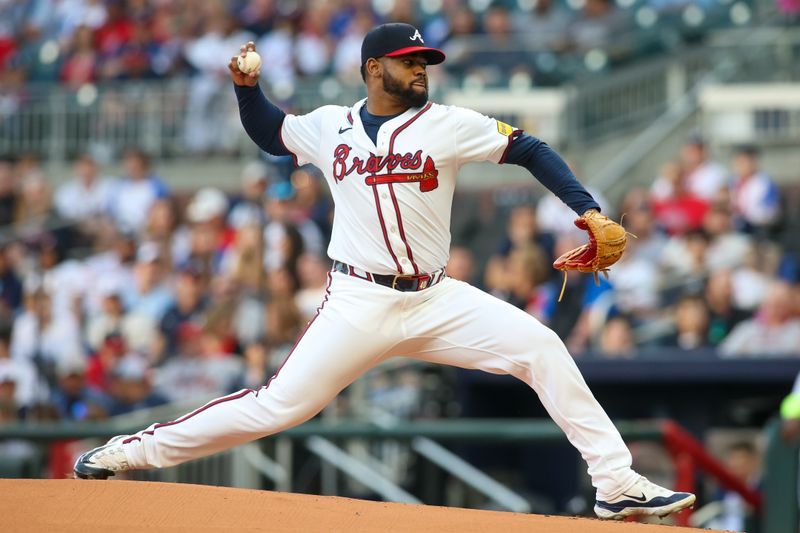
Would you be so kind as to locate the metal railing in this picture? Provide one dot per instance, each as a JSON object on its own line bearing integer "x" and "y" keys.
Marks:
{"x": 751, "y": 56}
{"x": 182, "y": 117}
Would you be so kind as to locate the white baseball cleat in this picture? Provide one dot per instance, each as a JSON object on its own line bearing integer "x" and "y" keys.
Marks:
{"x": 103, "y": 461}
{"x": 644, "y": 498}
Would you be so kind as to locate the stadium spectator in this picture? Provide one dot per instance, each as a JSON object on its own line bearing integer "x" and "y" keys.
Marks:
{"x": 728, "y": 248}
{"x": 8, "y": 192}
{"x": 248, "y": 208}
{"x": 116, "y": 31}
{"x": 189, "y": 306}
{"x": 113, "y": 263}
{"x": 10, "y": 286}
{"x": 137, "y": 192}
{"x": 162, "y": 229}
{"x": 691, "y": 318}
{"x": 194, "y": 371}
{"x": 313, "y": 46}
{"x": 723, "y": 315}
{"x": 312, "y": 200}
{"x": 679, "y": 210}
{"x": 209, "y": 235}
{"x": 705, "y": 178}
{"x": 243, "y": 262}
{"x": 616, "y": 339}
{"x": 751, "y": 280}
{"x": 312, "y": 274}
{"x": 87, "y": 195}
{"x": 135, "y": 58}
{"x": 528, "y": 270}
{"x": 599, "y": 25}
{"x": 132, "y": 388}
{"x": 288, "y": 233}
{"x": 101, "y": 364}
{"x": 774, "y": 331}
{"x": 278, "y": 45}
{"x": 19, "y": 373}
{"x": 456, "y": 45}
{"x": 81, "y": 63}
{"x": 501, "y": 55}
{"x": 34, "y": 214}
{"x": 743, "y": 461}
{"x": 150, "y": 297}
{"x": 684, "y": 260}
{"x": 208, "y": 127}
{"x": 256, "y": 367}
{"x": 756, "y": 199}
{"x": 461, "y": 265}
{"x": 637, "y": 217}
{"x": 545, "y": 27}
{"x": 42, "y": 337}
{"x": 73, "y": 399}
{"x": 347, "y": 56}
{"x": 283, "y": 319}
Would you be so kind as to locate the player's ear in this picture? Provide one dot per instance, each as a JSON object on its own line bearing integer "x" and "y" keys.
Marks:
{"x": 374, "y": 68}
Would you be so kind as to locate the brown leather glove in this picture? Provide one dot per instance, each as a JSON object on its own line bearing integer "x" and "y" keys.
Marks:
{"x": 607, "y": 241}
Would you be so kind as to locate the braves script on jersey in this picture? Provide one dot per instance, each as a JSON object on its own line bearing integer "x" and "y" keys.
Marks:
{"x": 394, "y": 199}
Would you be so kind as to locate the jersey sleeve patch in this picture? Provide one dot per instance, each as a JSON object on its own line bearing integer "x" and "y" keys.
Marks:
{"x": 504, "y": 129}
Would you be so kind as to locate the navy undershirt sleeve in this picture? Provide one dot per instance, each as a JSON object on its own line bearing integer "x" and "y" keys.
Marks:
{"x": 548, "y": 167}
{"x": 261, "y": 119}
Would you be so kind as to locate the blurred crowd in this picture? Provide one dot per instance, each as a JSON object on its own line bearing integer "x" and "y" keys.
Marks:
{"x": 82, "y": 41}
{"x": 711, "y": 264}
{"x": 117, "y": 294}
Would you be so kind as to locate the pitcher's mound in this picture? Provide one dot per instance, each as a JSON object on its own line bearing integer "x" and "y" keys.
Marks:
{"x": 94, "y": 506}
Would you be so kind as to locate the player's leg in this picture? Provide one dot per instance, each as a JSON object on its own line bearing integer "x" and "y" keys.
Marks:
{"x": 462, "y": 326}
{"x": 340, "y": 343}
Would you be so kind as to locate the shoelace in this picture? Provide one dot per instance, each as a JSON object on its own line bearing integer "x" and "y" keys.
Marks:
{"x": 109, "y": 451}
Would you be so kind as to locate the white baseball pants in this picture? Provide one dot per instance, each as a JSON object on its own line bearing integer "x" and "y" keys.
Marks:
{"x": 361, "y": 324}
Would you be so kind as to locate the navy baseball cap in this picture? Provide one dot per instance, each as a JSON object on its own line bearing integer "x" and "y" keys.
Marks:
{"x": 397, "y": 39}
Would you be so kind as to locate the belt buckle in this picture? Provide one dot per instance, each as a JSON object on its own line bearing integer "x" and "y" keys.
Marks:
{"x": 422, "y": 281}
{"x": 398, "y": 277}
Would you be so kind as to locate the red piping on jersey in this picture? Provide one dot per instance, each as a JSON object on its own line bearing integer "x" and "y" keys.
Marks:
{"x": 245, "y": 392}
{"x": 235, "y": 396}
{"x": 391, "y": 190}
{"x": 402, "y": 232}
{"x": 514, "y": 135}
{"x": 383, "y": 228}
{"x": 350, "y": 118}
{"x": 280, "y": 136}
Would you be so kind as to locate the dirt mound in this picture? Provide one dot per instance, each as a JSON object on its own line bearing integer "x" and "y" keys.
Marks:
{"x": 94, "y": 506}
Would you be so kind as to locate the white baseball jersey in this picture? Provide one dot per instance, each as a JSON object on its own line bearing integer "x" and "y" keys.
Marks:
{"x": 394, "y": 199}
{"x": 392, "y": 216}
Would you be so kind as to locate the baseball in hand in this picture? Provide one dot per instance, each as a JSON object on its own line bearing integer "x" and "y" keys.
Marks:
{"x": 251, "y": 62}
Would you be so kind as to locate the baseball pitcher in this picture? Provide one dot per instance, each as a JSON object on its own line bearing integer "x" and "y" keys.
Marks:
{"x": 391, "y": 162}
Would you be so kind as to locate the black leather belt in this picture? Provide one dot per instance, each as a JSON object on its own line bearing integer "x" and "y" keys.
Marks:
{"x": 399, "y": 282}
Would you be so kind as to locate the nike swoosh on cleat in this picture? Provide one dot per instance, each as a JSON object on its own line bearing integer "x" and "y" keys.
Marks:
{"x": 345, "y": 129}
{"x": 641, "y": 498}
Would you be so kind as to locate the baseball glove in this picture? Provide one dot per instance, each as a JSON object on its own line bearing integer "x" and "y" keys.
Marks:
{"x": 607, "y": 241}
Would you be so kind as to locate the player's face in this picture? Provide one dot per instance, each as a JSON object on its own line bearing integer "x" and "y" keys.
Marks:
{"x": 405, "y": 78}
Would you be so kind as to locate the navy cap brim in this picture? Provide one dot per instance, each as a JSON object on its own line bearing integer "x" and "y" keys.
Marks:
{"x": 433, "y": 55}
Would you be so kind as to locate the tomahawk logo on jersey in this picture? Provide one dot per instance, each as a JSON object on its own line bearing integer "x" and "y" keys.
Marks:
{"x": 394, "y": 197}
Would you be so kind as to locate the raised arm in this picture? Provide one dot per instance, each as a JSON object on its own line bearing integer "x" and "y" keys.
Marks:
{"x": 550, "y": 169}
{"x": 261, "y": 118}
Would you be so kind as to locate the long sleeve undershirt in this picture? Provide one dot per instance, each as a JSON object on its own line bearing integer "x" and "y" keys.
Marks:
{"x": 262, "y": 121}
